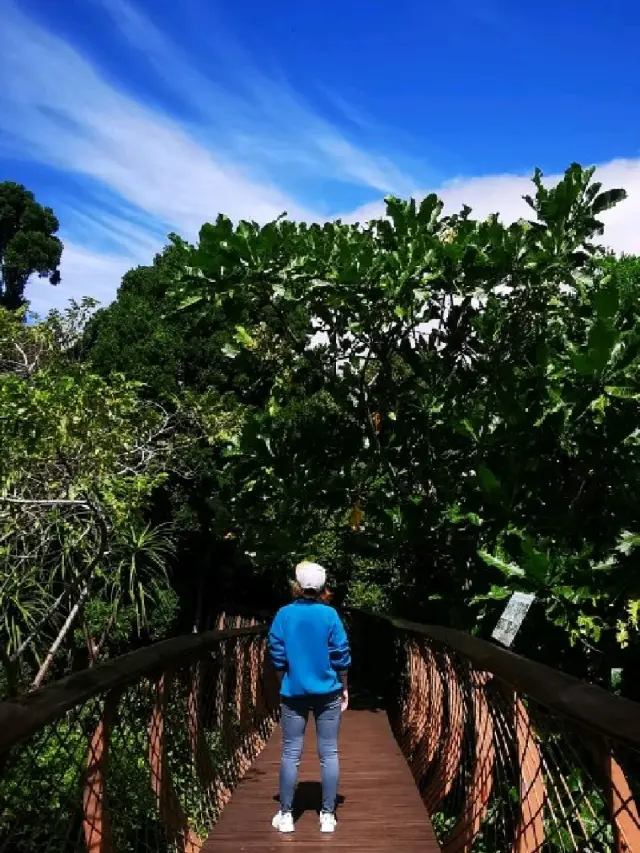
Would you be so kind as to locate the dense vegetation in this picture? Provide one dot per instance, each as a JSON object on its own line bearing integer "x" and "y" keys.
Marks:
{"x": 441, "y": 409}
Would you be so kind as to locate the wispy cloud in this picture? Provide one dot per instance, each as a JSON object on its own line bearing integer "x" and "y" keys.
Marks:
{"x": 58, "y": 109}
{"x": 284, "y": 130}
{"x": 244, "y": 144}
{"x": 69, "y": 117}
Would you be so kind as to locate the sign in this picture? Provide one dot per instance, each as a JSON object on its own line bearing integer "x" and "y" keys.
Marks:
{"x": 512, "y": 617}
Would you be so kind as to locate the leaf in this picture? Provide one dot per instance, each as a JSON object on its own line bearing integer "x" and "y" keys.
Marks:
{"x": 244, "y": 337}
{"x": 581, "y": 362}
{"x": 606, "y": 300}
{"x": 627, "y": 542}
{"x": 606, "y": 565}
{"x": 622, "y": 634}
{"x": 607, "y": 200}
{"x": 622, "y": 392}
{"x": 465, "y": 427}
{"x": 454, "y": 514}
{"x": 430, "y": 209}
{"x": 488, "y": 479}
{"x": 537, "y": 565}
{"x": 566, "y": 592}
{"x": 230, "y": 350}
{"x": 496, "y": 593}
{"x": 602, "y": 339}
{"x": 510, "y": 570}
{"x": 190, "y": 301}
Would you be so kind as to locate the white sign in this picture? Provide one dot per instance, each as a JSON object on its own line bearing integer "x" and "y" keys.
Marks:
{"x": 512, "y": 617}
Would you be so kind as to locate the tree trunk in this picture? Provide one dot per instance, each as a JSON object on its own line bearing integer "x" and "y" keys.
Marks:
{"x": 68, "y": 623}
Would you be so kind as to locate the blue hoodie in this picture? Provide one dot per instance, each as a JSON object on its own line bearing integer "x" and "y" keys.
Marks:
{"x": 308, "y": 643}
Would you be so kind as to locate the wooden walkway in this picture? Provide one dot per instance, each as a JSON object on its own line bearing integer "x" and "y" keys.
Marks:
{"x": 380, "y": 808}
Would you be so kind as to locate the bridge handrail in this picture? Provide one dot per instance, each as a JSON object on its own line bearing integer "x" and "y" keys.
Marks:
{"x": 501, "y": 746}
{"x": 583, "y": 703}
{"x": 23, "y": 716}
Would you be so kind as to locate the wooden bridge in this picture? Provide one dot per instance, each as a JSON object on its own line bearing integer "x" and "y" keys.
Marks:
{"x": 380, "y": 808}
{"x": 451, "y": 744}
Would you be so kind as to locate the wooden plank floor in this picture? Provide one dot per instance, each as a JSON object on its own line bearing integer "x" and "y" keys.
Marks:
{"x": 380, "y": 808}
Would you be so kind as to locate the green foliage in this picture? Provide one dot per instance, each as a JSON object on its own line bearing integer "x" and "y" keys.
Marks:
{"x": 442, "y": 409}
{"x": 82, "y": 459}
{"x": 28, "y": 243}
{"x": 469, "y": 386}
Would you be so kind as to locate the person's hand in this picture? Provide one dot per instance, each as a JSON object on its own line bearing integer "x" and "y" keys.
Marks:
{"x": 345, "y": 700}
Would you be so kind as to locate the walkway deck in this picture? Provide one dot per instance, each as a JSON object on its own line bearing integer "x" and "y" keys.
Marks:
{"x": 380, "y": 808}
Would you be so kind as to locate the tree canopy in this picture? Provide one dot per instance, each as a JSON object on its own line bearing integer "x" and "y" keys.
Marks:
{"x": 81, "y": 459}
{"x": 440, "y": 408}
{"x": 449, "y": 398}
{"x": 28, "y": 243}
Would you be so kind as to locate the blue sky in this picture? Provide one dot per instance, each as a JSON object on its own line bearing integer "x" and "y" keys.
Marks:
{"x": 132, "y": 118}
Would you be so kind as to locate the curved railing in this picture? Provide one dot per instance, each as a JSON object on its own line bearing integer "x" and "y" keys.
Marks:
{"x": 140, "y": 753}
{"x": 508, "y": 754}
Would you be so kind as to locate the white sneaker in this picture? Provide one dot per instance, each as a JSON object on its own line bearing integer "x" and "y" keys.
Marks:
{"x": 327, "y": 822}
{"x": 283, "y": 822}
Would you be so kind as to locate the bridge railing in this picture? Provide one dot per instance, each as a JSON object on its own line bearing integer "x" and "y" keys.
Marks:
{"x": 140, "y": 753}
{"x": 508, "y": 754}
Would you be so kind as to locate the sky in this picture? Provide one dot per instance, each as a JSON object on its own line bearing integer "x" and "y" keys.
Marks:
{"x": 137, "y": 118}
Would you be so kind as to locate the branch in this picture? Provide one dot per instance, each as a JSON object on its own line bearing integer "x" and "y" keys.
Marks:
{"x": 36, "y": 502}
{"x": 90, "y": 643}
{"x": 75, "y": 610}
{"x": 84, "y": 577}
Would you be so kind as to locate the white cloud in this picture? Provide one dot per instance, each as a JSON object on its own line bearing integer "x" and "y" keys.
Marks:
{"x": 503, "y": 194}
{"x": 265, "y": 120}
{"x": 58, "y": 109}
{"x": 86, "y": 273}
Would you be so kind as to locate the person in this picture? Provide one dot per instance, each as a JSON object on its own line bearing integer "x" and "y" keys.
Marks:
{"x": 310, "y": 652}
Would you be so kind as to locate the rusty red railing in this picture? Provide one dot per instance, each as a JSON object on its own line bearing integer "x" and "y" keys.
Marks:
{"x": 140, "y": 753}
{"x": 509, "y": 755}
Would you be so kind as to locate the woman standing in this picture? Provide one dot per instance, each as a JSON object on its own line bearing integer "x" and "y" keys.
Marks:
{"x": 310, "y": 651}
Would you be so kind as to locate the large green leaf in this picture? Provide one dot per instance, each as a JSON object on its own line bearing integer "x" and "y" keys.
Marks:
{"x": 607, "y": 200}
{"x": 622, "y": 392}
{"x": 509, "y": 570}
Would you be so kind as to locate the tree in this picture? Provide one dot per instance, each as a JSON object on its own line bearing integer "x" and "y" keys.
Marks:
{"x": 140, "y": 336}
{"x": 28, "y": 243}
{"x": 81, "y": 459}
{"x": 179, "y": 355}
{"x": 442, "y": 388}
{"x": 433, "y": 405}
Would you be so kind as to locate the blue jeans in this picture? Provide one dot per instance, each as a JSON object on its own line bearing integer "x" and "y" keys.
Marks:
{"x": 295, "y": 713}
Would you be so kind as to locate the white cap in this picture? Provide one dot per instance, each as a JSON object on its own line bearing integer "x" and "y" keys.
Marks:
{"x": 311, "y": 576}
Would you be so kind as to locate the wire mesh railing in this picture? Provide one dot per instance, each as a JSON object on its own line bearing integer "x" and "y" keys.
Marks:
{"x": 140, "y": 753}
{"x": 509, "y": 755}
